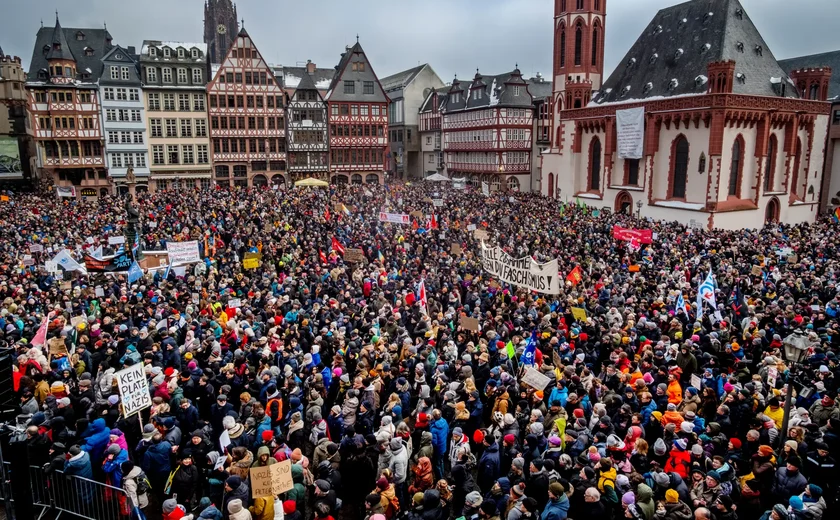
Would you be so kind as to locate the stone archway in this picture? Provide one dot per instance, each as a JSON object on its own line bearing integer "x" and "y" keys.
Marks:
{"x": 624, "y": 203}
{"x": 771, "y": 214}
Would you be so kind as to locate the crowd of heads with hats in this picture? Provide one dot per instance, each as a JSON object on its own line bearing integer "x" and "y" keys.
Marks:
{"x": 389, "y": 401}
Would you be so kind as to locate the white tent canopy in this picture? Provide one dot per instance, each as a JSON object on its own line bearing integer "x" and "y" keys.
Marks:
{"x": 437, "y": 178}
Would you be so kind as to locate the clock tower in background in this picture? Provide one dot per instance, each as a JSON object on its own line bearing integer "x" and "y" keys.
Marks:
{"x": 220, "y": 28}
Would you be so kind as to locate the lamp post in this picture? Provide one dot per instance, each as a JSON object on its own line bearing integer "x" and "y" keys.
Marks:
{"x": 638, "y": 208}
{"x": 796, "y": 349}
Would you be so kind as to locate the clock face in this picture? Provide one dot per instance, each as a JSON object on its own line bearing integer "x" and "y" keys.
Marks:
{"x": 221, "y": 29}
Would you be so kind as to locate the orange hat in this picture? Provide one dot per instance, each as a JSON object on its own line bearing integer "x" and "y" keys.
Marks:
{"x": 765, "y": 450}
{"x": 539, "y": 394}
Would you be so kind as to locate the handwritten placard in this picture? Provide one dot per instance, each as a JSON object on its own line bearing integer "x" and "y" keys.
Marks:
{"x": 353, "y": 255}
{"x": 470, "y": 324}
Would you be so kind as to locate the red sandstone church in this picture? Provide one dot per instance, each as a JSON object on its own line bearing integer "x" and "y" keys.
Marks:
{"x": 727, "y": 138}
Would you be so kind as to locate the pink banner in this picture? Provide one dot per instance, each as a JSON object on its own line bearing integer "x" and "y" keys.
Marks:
{"x": 645, "y": 236}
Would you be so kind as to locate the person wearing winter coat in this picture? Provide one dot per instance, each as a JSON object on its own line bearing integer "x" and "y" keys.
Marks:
{"x": 79, "y": 465}
{"x": 440, "y": 435}
{"x": 813, "y": 502}
{"x": 96, "y": 440}
{"x": 114, "y": 457}
{"x": 236, "y": 511}
{"x": 156, "y": 463}
{"x": 673, "y": 508}
{"x": 644, "y": 501}
{"x": 173, "y": 511}
{"x": 789, "y": 480}
{"x": 263, "y": 508}
{"x": 236, "y": 489}
{"x": 557, "y": 507}
{"x": 130, "y": 483}
{"x": 489, "y": 466}
{"x": 460, "y": 443}
{"x": 425, "y": 449}
{"x": 186, "y": 482}
{"x": 399, "y": 461}
{"x": 350, "y": 407}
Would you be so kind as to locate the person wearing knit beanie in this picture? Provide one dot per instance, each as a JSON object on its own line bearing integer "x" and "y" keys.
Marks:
{"x": 628, "y": 498}
{"x": 671, "y": 496}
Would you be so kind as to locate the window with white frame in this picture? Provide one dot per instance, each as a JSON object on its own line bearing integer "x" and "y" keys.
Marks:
{"x": 154, "y": 101}
{"x": 116, "y": 160}
{"x": 152, "y": 51}
{"x": 182, "y": 76}
{"x": 110, "y": 114}
{"x": 151, "y": 74}
{"x": 205, "y": 184}
{"x": 115, "y": 73}
{"x": 196, "y": 76}
{"x": 123, "y": 113}
{"x": 109, "y": 94}
{"x": 128, "y": 159}
{"x": 203, "y": 156}
{"x": 169, "y": 101}
{"x": 121, "y": 94}
{"x": 124, "y": 75}
{"x": 195, "y": 53}
{"x": 187, "y": 154}
{"x": 180, "y": 53}
{"x": 157, "y": 154}
{"x": 138, "y": 137}
{"x": 125, "y": 137}
{"x": 134, "y": 94}
{"x": 186, "y": 128}
{"x": 184, "y": 102}
{"x": 140, "y": 161}
{"x": 167, "y": 52}
{"x": 198, "y": 102}
{"x": 113, "y": 138}
{"x": 157, "y": 128}
{"x": 135, "y": 115}
{"x": 201, "y": 128}
{"x": 172, "y": 152}
{"x": 171, "y": 128}
{"x": 167, "y": 75}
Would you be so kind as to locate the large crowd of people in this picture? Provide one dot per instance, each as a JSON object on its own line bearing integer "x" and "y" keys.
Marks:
{"x": 386, "y": 400}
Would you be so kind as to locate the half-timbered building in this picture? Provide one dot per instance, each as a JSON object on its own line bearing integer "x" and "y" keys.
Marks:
{"x": 431, "y": 137}
{"x": 247, "y": 119}
{"x": 307, "y": 139}
{"x": 487, "y": 128}
{"x": 65, "y": 107}
{"x": 727, "y": 139}
{"x": 358, "y": 121}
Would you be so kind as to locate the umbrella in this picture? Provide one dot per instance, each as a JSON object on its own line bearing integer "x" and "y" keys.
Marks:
{"x": 312, "y": 182}
{"x": 437, "y": 178}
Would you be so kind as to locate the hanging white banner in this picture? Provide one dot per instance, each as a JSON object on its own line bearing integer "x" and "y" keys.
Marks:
{"x": 630, "y": 125}
{"x": 524, "y": 272}
{"x": 183, "y": 252}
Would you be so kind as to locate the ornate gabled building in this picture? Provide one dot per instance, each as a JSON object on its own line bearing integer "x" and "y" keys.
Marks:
{"x": 431, "y": 137}
{"x": 247, "y": 119}
{"x": 17, "y": 148}
{"x": 123, "y": 119}
{"x": 175, "y": 96}
{"x": 64, "y": 105}
{"x": 306, "y": 131}
{"x": 725, "y": 139}
{"x": 487, "y": 128}
{"x": 220, "y": 28}
{"x": 358, "y": 121}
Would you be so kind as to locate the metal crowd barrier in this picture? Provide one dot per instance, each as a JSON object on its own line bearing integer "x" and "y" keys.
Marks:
{"x": 81, "y": 497}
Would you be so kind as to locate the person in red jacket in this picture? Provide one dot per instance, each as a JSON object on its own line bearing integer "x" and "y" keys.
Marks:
{"x": 679, "y": 460}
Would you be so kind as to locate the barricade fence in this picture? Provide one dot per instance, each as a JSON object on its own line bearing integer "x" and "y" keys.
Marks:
{"x": 81, "y": 497}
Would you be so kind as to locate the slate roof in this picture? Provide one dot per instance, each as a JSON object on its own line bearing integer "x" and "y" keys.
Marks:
{"x": 342, "y": 63}
{"x": 497, "y": 91}
{"x": 428, "y": 106}
{"x": 321, "y": 79}
{"x": 59, "y": 50}
{"x": 343, "y": 73}
{"x": 97, "y": 40}
{"x": 670, "y": 58}
{"x": 824, "y": 59}
{"x": 401, "y": 79}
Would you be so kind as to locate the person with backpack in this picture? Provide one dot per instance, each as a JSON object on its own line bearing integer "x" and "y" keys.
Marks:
{"x": 136, "y": 487}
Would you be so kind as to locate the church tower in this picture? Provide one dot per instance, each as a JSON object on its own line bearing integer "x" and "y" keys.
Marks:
{"x": 578, "y": 51}
{"x": 220, "y": 28}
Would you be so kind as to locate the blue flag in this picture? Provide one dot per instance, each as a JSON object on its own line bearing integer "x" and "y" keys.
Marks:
{"x": 527, "y": 358}
{"x": 134, "y": 272}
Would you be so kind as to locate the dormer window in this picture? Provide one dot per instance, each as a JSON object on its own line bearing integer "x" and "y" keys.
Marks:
{"x": 654, "y": 57}
{"x": 195, "y": 54}
{"x": 88, "y": 51}
{"x": 56, "y": 46}
{"x": 700, "y": 80}
{"x": 759, "y": 50}
{"x": 118, "y": 56}
{"x": 739, "y": 13}
{"x": 42, "y": 74}
{"x": 742, "y": 78}
{"x": 80, "y": 36}
{"x": 516, "y": 90}
{"x": 625, "y": 91}
{"x": 631, "y": 62}
{"x": 180, "y": 53}
{"x": 152, "y": 52}
{"x": 456, "y": 97}
{"x": 46, "y": 49}
{"x": 477, "y": 93}
{"x": 740, "y": 46}
{"x": 705, "y": 48}
{"x": 657, "y": 30}
{"x": 166, "y": 52}
{"x": 648, "y": 87}
{"x": 678, "y": 54}
{"x": 673, "y": 84}
{"x": 707, "y": 17}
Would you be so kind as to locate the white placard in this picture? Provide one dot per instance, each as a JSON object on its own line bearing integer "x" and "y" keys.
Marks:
{"x": 630, "y": 125}
{"x": 116, "y": 240}
{"x": 183, "y": 252}
{"x": 394, "y": 218}
{"x": 459, "y": 184}
{"x": 485, "y": 189}
{"x": 36, "y": 248}
{"x": 99, "y": 292}
{"x": 27, "y": 260}
{"x": 522, "y": 272}
{"x": 696, "y": 382}
{"x": 51, "y": 267}
{"x": 65, "y": 191}
{"x": 134, "y": 389}
{"x": 535, "y": 379}
{"x": 438, "y": 203}
{"x": 234, "y": 303}
{"x": 471, "y": 227}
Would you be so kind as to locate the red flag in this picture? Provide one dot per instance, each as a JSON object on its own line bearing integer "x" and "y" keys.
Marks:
{"x": 575, "y": 276}
{"x": 327, "y": 214}
{"x": 421, "y": 297}
{"x": 322, "y": 256}
{"x": 434, "y": 223}
{"x": 41, "y": 336}
{"x": 336, "y": 246}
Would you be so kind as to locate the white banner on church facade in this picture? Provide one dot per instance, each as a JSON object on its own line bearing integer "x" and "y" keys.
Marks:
{"x": 630, "y": 126}
{"x": 523, "y": 272}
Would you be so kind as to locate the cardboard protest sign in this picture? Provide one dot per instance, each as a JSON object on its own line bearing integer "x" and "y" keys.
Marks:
{"x": 456, "y": 249}
{"x": 57, "y": 347}
{"x": 267, "y": 481}
{"x": 792, "y": 259}
{"x": 353, "y": 255}
{"x": 579, "y": 313}
{"x": 36, "y": 248}
{"x": 416, "y": 214}
{"x": 756, "y": 270}
{"x": 252, "y": 254}
{"x": 470, "y": 324}
{"x": 75, "y": 320}
{"x": 183, "y": 252}
{"x": 696, "y": 382}
{"x": 134, "y": 389}
{"x": 281, "y": 478}
{"x": 535, "y": 379}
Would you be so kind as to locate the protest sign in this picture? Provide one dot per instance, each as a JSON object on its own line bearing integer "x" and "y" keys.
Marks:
{"x": 438, "y": 203}
{"x": 416, "y": 214}
{"x": 261, "y": 481}
{"x": 644, "y": 236}
{"x": 522, "y": 272}
{"x": 134, "y": 389}
{"x": 75, "y": 320}
{"x": 224, "y": 441}
{"x": 630, "y": 126}
{"x": 772, "y": 376}
{"x": 394, "y": 218}
{"x": 579, "y": 313}
{"x": 253, "y": 254}
{"x": 183, "y": 252}
{"x": 471, "y": 227}
{"x": 99, "y": 292}
{"x": 535, "y": 379}
{"x": 250, "y": 263}
{"x": 756, "y": 270}
{"x": 57, "y": 347}
{"x": 792, "y": 259}
{"x": 36, "y": 248}
{"x": 115, "y": 264}
{"x": 353, "y": 255}
{"x": 234, "y": 303}
{"x": 28, "y": 260}
{"x": 696, "y": 382}
{"x": 51, "y": 267}
{"x": 470, "y": 324}
{"x": 481, "y": 234}
{"x": 119, "y": 239}
{"x": 456, "y": 249}
{"x": 281, "y": 477}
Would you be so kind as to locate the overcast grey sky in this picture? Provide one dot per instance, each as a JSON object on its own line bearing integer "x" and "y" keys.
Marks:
{"x": 455, "y": 36}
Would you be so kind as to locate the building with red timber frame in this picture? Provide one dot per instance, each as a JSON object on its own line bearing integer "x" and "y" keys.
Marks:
{"x": 358, "y": 121}
{"x": 727, "y": 139}
{"x": 247, "y": 118}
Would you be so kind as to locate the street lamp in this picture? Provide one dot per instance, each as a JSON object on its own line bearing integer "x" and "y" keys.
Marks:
{"x": 796, "y": 350}
{"x": 638, "y": 208}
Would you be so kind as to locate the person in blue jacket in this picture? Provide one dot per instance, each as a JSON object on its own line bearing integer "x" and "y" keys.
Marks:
{"x": 490, "y": 465}
{"x": 114, "y": 457}
{"x": 96, "y": 438}
{"x": 78, "y": 465}
{"x": 557, "y": 507}
{"x": 440, "y": 434}
{"x": 156, "y": 463}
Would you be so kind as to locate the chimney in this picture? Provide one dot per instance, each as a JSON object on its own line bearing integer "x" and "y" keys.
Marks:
{"x": 310, "y": 67}
{"x": 131, "y": 50}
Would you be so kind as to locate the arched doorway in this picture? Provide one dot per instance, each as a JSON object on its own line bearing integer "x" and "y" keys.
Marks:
{"x": 278, "y": 180}
{"x": 513, "y": 184}
{"x": 624, "y": 203}
{"x": 103, "y": 192}
{"x": 341, "y": 179}
{"x": 122, "y": 190}
{"x": 142, "y": 188}
{"x": 356, "y": 179}
{"x": 771, "y": 214}
{"x": 372, "y": 178}
{"x": 260, "y": 181}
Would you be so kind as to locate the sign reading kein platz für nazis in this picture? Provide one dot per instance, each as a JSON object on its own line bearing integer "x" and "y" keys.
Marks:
{"x": 134, "y": 389}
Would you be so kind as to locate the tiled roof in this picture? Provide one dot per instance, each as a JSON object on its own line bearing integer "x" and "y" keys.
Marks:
{"x": 825, "y": 59}
{"x": 96, "y": 40}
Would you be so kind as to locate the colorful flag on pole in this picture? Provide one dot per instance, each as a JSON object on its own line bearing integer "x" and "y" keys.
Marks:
{"x": 381, "y": 257}
{"x": 707, "y": 291}
{"x": 527, "y": 358}
{"x": 510, "y": 349}
{"x": 41, "y": 336}
{"x": 575, "y": 276}
{"x": 135, "y": 272}
{"x": 421, "y": 297}
{"x": 337, "y": 247}
{"x": 327, "y": 214}
{"x": 680, "y": 302}
{"x": 322, "y": 257}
